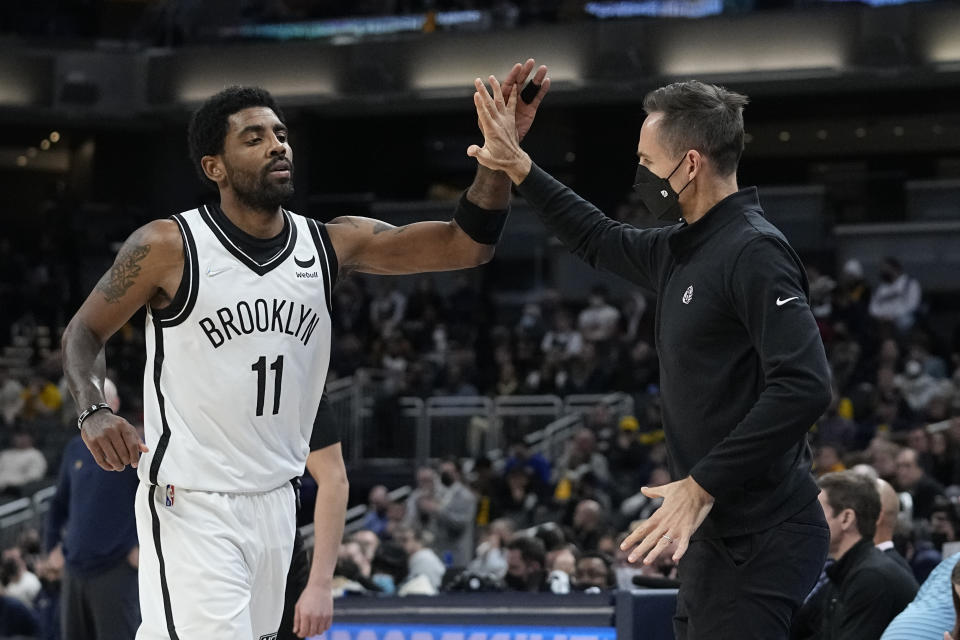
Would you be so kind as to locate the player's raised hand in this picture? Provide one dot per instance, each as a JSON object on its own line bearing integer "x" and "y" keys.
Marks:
{"x": 314, "y": 611}
{"x": 501, "y": 146}
{"x": 531, "y": 95}
{"x": 112, "y": 440}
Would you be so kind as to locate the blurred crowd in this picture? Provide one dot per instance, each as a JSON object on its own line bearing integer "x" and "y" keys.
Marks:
{"x": 522, "y": 521}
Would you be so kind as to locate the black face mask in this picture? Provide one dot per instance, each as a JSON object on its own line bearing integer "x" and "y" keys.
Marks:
{"x": 657, "y": 195}
{"x": 446, "y": 478}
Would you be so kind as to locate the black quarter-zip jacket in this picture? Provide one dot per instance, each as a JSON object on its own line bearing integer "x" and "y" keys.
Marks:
{"x": 743, "y": 373}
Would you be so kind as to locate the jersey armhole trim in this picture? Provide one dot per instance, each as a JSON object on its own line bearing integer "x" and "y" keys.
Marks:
{"x": 328, "y": 262}
{"x": 186, "y": 295}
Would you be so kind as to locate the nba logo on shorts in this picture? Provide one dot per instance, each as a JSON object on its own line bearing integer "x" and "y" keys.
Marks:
{"x": 169, "y": 495}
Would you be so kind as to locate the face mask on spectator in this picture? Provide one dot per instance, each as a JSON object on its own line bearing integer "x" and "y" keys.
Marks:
{"x": 446, "y": 478}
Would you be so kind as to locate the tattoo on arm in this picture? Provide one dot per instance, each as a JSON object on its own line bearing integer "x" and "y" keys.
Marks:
{"x": 380, "y": 227}
{"x": 123, "y": 273}
{"x": 490, "y": 189}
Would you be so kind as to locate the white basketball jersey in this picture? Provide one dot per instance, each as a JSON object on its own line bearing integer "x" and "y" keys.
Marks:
{"x": 236, "y": 364}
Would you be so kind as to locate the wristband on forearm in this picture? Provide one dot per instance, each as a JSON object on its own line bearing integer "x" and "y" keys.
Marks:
{"x": 484, "y": 226}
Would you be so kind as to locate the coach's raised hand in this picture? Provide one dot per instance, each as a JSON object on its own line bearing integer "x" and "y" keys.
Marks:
{"x": 504, "y": 121}
{"x": 531, "y": 95}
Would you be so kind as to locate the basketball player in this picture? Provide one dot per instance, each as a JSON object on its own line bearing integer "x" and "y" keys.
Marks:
{"x": 238, "y": 332}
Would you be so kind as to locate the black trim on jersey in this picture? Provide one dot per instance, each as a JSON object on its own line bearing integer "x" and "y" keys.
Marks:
{"x": 326, "y": 430}
{"x": 161, "y": 403}
{"x": 186, "y": 296}
{"x": 256, "y": 267}
{"x": 328, "y": 259}
{"x": 167, "y": 609}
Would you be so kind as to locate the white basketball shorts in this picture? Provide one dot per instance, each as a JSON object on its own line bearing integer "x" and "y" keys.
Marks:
{"x": 213, "y": 565}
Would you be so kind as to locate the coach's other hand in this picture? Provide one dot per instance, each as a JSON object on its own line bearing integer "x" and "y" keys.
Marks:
{"x": 685, "y": 506}
{"x": 314, "y": 611}
{"x": 112, "y": 441}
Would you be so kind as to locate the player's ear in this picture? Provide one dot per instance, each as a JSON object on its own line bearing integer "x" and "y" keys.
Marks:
{"x": 212, "y": 168}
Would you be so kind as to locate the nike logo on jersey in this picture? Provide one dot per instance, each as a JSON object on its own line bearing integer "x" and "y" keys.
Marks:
{"x": 215, "y": 271}
{"x": 780, "y": 302}
{"x": 304, "y": 264}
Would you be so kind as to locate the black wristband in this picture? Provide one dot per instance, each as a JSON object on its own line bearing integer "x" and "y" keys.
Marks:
{"x": 482, "y": 225}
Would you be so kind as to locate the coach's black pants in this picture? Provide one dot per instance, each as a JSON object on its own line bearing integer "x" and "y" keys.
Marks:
{"x": 104, "y": 606}
{"x": 296, "y": 582}
{"x": 748, "y": 587}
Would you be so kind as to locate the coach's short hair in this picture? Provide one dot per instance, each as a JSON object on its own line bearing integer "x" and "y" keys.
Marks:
{"x": 700, "y": 116}
{"x": 208, "y": 126}
{"x": 851, "y": 490}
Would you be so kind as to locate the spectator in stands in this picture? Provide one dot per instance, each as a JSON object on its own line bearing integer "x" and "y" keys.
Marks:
{"x": 594, "y": 571}
{"x": 887, "y": 523}
{"x": 944, "y": 523}
{"x": 521, "y": 455}
{"x": 526, "y": 562}
{"x": 955, "y": 589}
{"x": 829, "y": 459}
{"x": 11, "y": 398}
{"x": 491, "y": 556}
{"x": 882, "y": 456}
{"x": 897, "y": 298}
{"x": 581, "y": 456}
{"x": 563, "y": 341}
{"x": 918, "y": 387}
{"x": 389, "y": 566}
{"x": 91, "y": 535}
{"x": 353, "y": 551}
{"x": 451, "y": 516}
{"x": 422, "y": 561}
{"x": 932, "y": 610}
{"x": 426, "y": 490}
{"x": 40, "y": 398}
{"x": 16, "y": 618}
{"x": 598, "y": 322}
{"x": 21, "y": 464}
{"x": 866, "y": 589}
{"x": 834, "y": 428}
{"x": 912, "y": 479}
{"x": 369, "y": 543}
{"x": 852, "y": 298}
{"x": 944, "y": 461}
{"x": 517, "y": 500}
{"x": 377, "y": 503}
{"x": 387, "y": 308}
{"x": 629, "y": 463}
{"x": 17, "y": 580}
{"x": 588, "y": 525}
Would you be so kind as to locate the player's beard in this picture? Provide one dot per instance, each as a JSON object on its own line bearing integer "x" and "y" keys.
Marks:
{"x": 260, "y": 191}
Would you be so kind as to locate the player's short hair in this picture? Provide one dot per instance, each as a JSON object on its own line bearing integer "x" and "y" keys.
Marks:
{"x": 208, "y": 125}
{"x": 851, "y": 490}
{"x": 700, "y": 116}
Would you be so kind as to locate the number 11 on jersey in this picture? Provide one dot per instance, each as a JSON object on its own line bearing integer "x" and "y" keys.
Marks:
{"x": 260, "y": 366}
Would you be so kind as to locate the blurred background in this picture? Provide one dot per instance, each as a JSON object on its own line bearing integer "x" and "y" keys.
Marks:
{"x": 853, "y": 137}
